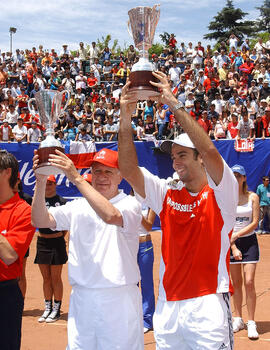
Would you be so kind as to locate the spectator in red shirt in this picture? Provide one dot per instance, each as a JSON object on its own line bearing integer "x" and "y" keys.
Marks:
{"x": 30, "y": 80}
{"x": 26, "y": 117}
{"x": 258, "y": 127}
{"x": 91, "y": 81}
{"x": 172, "y": 43}
{"x": 232, "y": 130}
{"x": 33, "y": 54}
{"x": 94, "y": 95}
{"x": 205, "y": 122}
{"x": 22, "y": 100}
{"x": 207, "y": 83}
{"x": 196, "y": 111}
{"x": 247, "y": 66}
{"x": 200, "y": 47}
{"x": 266, "y": 123}
{"x": 232, "y": 54}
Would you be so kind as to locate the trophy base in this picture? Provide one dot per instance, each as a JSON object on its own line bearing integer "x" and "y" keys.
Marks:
{"x": 140, "y": 85}
{"x": 44, "y": 167}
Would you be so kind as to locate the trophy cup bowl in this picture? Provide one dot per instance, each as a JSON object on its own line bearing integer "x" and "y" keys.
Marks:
{"x": 142, "y": 22}
{"x": 49, "y": 106}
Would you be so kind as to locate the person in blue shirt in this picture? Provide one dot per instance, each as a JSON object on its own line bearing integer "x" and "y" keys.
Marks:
{"x": 238, "y": 61}
{"x": 71, "y": 131}
{"x": 263, "y": 191}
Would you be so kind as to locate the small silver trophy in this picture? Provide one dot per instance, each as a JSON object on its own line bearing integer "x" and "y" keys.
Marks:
{"x": 143, "y": 21}
{"x": 49, "y": 106}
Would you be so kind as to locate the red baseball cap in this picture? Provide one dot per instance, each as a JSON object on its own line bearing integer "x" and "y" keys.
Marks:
{"x": 87, "y": 177}
{"x": 51, "y": 178}
{"x": 107, "y": 157}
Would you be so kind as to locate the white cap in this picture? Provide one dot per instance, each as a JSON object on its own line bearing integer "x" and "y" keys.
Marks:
{"x": 181, "y": 140}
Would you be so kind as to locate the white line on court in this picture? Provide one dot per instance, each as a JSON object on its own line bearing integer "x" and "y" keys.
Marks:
{"x": 264, "y": 339}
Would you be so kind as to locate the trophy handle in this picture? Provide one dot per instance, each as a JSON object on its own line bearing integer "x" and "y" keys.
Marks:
{"x": 31, "y": 110}
{"x": 128, "y": 28}
{"x": 156, "y": 11}
{"x": 65, "y": 106}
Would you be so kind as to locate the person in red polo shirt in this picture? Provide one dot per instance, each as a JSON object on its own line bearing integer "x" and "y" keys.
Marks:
{"x": 16, "y": 233}
{"x": 197, "y": 217}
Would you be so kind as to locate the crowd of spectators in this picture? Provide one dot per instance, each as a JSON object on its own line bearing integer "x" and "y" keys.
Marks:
{"x": 227, "y": 91}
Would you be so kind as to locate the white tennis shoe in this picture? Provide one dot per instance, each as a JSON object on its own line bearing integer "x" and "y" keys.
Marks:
{"x": 252, "y": 330}
{"x": 238, "y": 324}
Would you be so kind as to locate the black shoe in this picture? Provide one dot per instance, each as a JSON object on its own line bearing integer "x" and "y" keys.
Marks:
{"x": 46, "y": 313}
{"x": 54, "y": 316}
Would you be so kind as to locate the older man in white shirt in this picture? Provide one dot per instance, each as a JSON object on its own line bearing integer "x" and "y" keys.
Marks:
{"x": 105, "y": 309}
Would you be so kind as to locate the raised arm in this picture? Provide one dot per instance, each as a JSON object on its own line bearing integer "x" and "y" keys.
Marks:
{"x": 128, "y": 161}
{"x": 102, "y": 206}
{"x": 40, "y": 216}
{"x": 211, "y": 158}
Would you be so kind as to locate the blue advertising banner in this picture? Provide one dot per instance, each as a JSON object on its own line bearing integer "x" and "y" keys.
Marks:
{"x": 256, "y": 163}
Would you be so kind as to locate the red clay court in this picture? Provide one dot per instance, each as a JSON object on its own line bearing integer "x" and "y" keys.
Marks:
{"x": 42, "y": 336}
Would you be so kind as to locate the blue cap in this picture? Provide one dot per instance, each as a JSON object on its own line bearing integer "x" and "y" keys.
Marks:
{"x": 239, "y": 169}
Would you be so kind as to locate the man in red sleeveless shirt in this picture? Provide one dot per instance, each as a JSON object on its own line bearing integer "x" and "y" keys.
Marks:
{"x": 197, "y": 216}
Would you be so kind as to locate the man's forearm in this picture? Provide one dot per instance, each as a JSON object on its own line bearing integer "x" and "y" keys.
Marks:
{"x": 7, "y": 253}
{"x": 210, "y": 156}
{"x": 39, "y": 213}
{"x": 128, "y": 161}
{"x": 127, "y": 153}
{"x": 196, "y": 133}
{"x": 103, "y": 207}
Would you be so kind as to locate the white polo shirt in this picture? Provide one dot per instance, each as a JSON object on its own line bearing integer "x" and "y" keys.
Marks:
{"x": 101, "y": 255}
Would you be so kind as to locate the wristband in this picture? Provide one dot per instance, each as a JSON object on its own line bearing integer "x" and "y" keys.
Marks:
{"x": 178, "y": 106}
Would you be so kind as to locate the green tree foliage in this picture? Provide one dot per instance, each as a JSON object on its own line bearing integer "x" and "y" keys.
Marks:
{"x": 263, "y": 22}
{"x": 229, "y": 21}
{"x": 155, "y": 49}
{"x": 165, "y": 38}
{"x": 104, "y": 42}
{"x": 265, "y": 37}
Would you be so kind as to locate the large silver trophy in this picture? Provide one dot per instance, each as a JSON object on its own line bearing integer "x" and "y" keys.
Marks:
{"x": 142, "y": 22}
{"x": 49, "y": 105}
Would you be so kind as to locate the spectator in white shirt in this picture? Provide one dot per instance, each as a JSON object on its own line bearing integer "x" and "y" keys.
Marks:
{"x": 5, "y": 131}
{"x": 81, "y": 81}
{"x": 233, "y": 42}
{"x": 15, "y": 90}
{"x": 19, "y": 131}
{"x": 219, "y": 104}
{"x": 12, "y": 115}
{"x": 174, "y": 73}
{"x": 197, "y": 57}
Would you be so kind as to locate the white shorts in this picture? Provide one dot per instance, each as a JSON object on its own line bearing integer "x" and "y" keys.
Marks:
{"x": 109, "y": 318}
{"x": 203, "y": 323}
